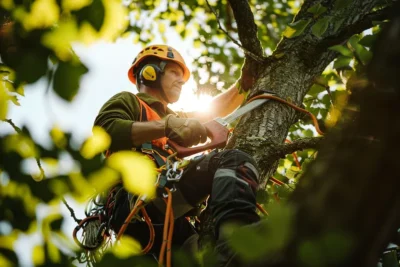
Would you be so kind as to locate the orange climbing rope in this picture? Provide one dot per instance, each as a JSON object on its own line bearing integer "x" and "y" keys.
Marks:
{"x": 314, "y": 119}
{"x": 167, "y": 232}
{"x": 296, "y": 159}
{"x": 169, "y": 216}
{"x": 262, "y": 209}
{"x": 152, "y": 232}
{"x": 138, "y": 205}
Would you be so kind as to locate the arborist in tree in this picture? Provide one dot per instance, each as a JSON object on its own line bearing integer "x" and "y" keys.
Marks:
{"x": 143, "y": 122}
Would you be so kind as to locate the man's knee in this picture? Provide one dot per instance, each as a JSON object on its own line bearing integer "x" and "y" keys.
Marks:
{"x": 238, "y": 164}
{"x": 233, "y": 195}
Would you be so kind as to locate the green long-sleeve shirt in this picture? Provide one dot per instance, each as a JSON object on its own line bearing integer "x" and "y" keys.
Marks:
{"x": 119, "y": 112}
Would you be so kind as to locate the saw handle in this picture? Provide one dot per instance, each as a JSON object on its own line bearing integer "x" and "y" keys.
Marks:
{"x": 215, "y": 131}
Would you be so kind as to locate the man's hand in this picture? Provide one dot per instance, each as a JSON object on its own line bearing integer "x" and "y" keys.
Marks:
{"x": 185, "y": 132}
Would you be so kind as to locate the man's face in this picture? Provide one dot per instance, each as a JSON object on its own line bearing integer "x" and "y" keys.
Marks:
{"x": 172, "y": 81}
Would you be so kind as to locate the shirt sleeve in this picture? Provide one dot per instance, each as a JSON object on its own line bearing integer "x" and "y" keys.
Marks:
{"x": 116, "y": 117}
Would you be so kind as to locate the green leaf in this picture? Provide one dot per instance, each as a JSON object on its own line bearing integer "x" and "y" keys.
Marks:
{"x": 308, "y": 133}
{"x": 362, "y": 53}
{"x": 316, "y": 89}
{"x": 310, "y": 254}
{"x": 340, "y": 4}
{"x": 342, "y": 62}
{"x": 368, "y": 40}
{"x": 94, "y": 14}
{"x": 338, "y": 246}
{"x": 66, "y": 79}
{"x": 319, "y": 28}
{"x": 265, "y": 239}
{"x": 33, "y": 67}
{"x": 14, "y": 211}
{"x": 317, "y": 9}
{"x": 55, "y": 225}
{"x": 247, "y": 243}
{"x": 262, "y": 197}
{"x": 342, "y": 50}
{"x": 10, "y": 255}
{"x": 336, "y": 24}
{"x": 280, "y": 224}
{"x": 296, "y": 28}
{"x": 15, "y": 100}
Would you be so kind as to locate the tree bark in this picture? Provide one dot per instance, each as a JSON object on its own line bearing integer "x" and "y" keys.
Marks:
{"x": 289, "y": 73}
{"x": 351, "y": 190}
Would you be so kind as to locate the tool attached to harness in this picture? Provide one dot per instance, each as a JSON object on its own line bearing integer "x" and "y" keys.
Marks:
{"x": 174, "y": 174}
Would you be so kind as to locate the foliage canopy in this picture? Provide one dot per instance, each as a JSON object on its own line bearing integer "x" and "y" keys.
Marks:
{"x": 39, "y": 44}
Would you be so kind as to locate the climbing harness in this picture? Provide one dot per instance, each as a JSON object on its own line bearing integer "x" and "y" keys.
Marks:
{"x": 170, "y": 171}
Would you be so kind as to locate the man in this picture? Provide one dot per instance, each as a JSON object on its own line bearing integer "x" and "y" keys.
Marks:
{"x": 144, "y": 122}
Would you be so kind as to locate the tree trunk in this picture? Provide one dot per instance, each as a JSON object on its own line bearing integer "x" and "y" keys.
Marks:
{"x": 351, "y": 191}
{"x": 345, "y": 209}
{"x": 290, "y": 72}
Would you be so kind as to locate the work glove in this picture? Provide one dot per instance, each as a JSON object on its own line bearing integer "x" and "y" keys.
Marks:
{"x": 185, "y": 132}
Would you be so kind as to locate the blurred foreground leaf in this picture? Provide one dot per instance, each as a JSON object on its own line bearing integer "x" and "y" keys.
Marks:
{"x": 97, "y": 143}
{"x": 138, "y": 172}
{"x": 66, "y": 79}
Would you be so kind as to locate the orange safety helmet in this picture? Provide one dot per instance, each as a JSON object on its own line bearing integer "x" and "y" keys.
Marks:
{"x": 163, "y": 52}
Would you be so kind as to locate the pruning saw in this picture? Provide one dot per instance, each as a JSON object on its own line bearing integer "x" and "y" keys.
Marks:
{"x": 217, "y": 129}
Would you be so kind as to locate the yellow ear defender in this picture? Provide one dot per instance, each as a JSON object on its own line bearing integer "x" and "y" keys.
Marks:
{"x": 149, "y": 73}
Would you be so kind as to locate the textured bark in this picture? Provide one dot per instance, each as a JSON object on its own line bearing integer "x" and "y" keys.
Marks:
{"x": 290, "y": 72}
{"x": 351, "y": 190}
{"x": 281, "y": 150}
{"x": 247, "y": 30}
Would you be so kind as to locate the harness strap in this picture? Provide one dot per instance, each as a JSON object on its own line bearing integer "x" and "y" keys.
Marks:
{"x": 155, "y": 148}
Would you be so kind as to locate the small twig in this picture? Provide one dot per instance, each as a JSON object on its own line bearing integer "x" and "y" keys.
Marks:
{"x": 16, "y": 128}
{"x": 247, "y": 52}
{"x": 310, "y": 99}
{"x": 327, "y": 88}
{"x": 71, "y": 211}
{"x": 19, "y": 131}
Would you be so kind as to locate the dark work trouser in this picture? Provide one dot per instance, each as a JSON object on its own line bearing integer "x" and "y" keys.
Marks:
{"x": 229, "y": 177}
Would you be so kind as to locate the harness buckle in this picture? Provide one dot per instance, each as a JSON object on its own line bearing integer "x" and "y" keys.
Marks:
{"x": 147, "y": 150}
{"x": 174, "y": 175}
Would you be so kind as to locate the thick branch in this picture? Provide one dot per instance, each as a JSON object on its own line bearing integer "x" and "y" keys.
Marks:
{"x": 247, "y": 52}
{"x": 279, "y": 151}
{"x": 359, "y": 26}
{"x": 247, "y": 28}
{"x": 299, "y": 144}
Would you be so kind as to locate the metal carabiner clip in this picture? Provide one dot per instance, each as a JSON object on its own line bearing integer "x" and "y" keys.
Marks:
{"x": 174, "y": 176}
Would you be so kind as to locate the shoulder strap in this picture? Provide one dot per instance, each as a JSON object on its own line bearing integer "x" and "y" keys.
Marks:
{"x": 154, "y": 148}
{"x": 143, "y": 113}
